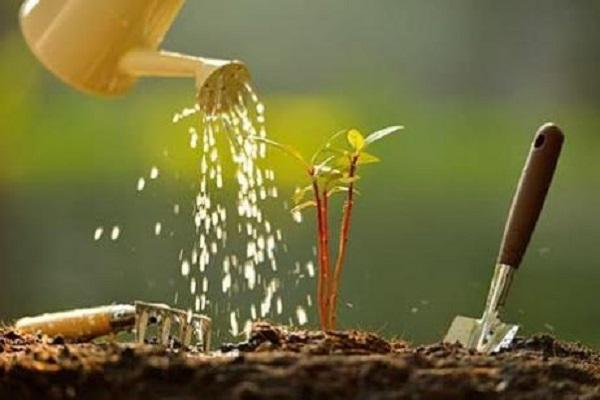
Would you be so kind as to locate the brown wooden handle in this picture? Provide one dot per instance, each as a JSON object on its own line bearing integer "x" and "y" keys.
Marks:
{"x": 529, "y": 198}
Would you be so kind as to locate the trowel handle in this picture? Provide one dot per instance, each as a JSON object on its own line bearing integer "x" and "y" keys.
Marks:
{"x": 529, "y": 198}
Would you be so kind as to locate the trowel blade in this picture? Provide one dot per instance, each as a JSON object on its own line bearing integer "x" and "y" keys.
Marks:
{"x": 469, "y": 331}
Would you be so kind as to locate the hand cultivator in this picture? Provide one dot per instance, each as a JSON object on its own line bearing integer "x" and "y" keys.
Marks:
{"x": 89, "y": 323}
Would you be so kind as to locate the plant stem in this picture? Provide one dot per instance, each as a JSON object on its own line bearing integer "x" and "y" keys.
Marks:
{"x": 327, "y": 283}
{"x": 342, "y": 246}
{"x": 322, "y": 281}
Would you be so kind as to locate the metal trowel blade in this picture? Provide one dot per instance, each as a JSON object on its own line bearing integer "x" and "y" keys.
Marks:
{"x": 469, "y": 332}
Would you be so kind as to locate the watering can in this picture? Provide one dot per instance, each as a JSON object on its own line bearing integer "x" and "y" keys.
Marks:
{"x": 104, "y": 46}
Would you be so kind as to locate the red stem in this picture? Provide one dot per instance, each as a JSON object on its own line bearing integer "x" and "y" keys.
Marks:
{"x": 325, "y": 240}
{"x": 322, "y": 281}
{"x": 342, "y": 246}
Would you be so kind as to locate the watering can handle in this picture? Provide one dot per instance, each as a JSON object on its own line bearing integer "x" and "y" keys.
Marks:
{"x": 529, "y": 197}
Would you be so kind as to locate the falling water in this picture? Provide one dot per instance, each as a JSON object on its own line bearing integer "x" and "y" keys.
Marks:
{"x": 247, "y": 277}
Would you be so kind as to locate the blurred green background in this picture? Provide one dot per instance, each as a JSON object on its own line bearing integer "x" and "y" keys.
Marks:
{"x": 471, "y": 81}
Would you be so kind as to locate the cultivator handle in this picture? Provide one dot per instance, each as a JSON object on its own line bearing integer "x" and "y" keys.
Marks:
{"x": 81, "y": 324}
{"x": 531, "y": 192}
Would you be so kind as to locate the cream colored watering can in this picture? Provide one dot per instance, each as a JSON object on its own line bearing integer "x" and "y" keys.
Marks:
{"x": 103, "y": 46}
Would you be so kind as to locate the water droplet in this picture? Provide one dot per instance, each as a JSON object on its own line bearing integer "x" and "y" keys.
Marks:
{"x": 157, "y": 228}
{"x": 185, "y": 268}
{"x": 203, "y": 302}
{"x": 248, "y": 328}
{"x": 250, "y": 274}
{"x": 310, "y": 267}
{"x": 193, "y": 139}
{"x": 549, "y": 327}
{"x": 115, "y": 233}
{"x": 260, "y": 108}
{"x": 226, "y": 283}
{"x": 154, "y": 173}
{"x": 301, "y": 316}
{"x": 297, "y": 216}
{"x": 234, "y": 324}
{"x": 98, "y": 233}
{"x": 141, "y": 183}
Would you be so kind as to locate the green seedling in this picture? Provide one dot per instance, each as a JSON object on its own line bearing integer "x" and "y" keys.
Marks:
{"x": 333, "y": 169}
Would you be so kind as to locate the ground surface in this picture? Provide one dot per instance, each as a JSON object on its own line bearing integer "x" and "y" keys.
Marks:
{"x": 275, "y": 364}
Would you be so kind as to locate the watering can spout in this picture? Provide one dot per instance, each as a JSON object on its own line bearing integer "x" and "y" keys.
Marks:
{"x": 104, "y": 46}
{"x": 218, "y": 82}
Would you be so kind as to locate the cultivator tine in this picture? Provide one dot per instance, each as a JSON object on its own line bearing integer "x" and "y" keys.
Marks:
{"x": 165, "y": 330}
{"x": 141, "y": 325}
{"x": 202, "y": 327}
{"x": 186, "y": 334}
{"x": 190, "y": 325}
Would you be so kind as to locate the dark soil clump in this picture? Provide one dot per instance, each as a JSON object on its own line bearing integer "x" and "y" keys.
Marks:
{"x": 265, "y": 337}
{"x": 276, "y": 363}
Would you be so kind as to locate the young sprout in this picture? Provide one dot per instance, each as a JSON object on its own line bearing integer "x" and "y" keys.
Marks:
{"x": 332, "y": 169}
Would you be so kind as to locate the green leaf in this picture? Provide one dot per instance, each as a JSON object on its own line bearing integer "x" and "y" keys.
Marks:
{"x": 348, "y": 179}
{"x": 300, "y": 193}
{"x": 341, "y": 189}
{"x": 324, "y": 164}
{"x": 289, "y": 150}
{"x": 323, "y": 170}
{"x": 335, "y": 150}
{"x": 302, "y": 206}
{"x": 356, "y": 139}
{"x": 367, "y": 158}
{"x": 378, "y": 135}
{"x": 337, "y": 189}
{"x": 342, "y": 162}
{"x": 327, "y": 145}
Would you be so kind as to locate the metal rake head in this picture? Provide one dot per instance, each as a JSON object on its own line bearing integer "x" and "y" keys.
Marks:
{"x": 172, "y": 323}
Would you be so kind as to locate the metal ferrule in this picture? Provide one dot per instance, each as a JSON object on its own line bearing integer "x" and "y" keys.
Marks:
{"x": 501, "y": 282}
{"x": 122, "y": 316}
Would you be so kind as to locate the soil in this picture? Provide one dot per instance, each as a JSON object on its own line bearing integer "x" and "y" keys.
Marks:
{"x": 279, "y": 364}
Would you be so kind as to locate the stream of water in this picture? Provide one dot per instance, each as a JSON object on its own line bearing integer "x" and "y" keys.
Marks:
{"x": 233, "y": 267}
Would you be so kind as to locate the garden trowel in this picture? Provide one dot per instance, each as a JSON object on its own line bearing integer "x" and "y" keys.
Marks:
{"x": 489, "y": 333}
